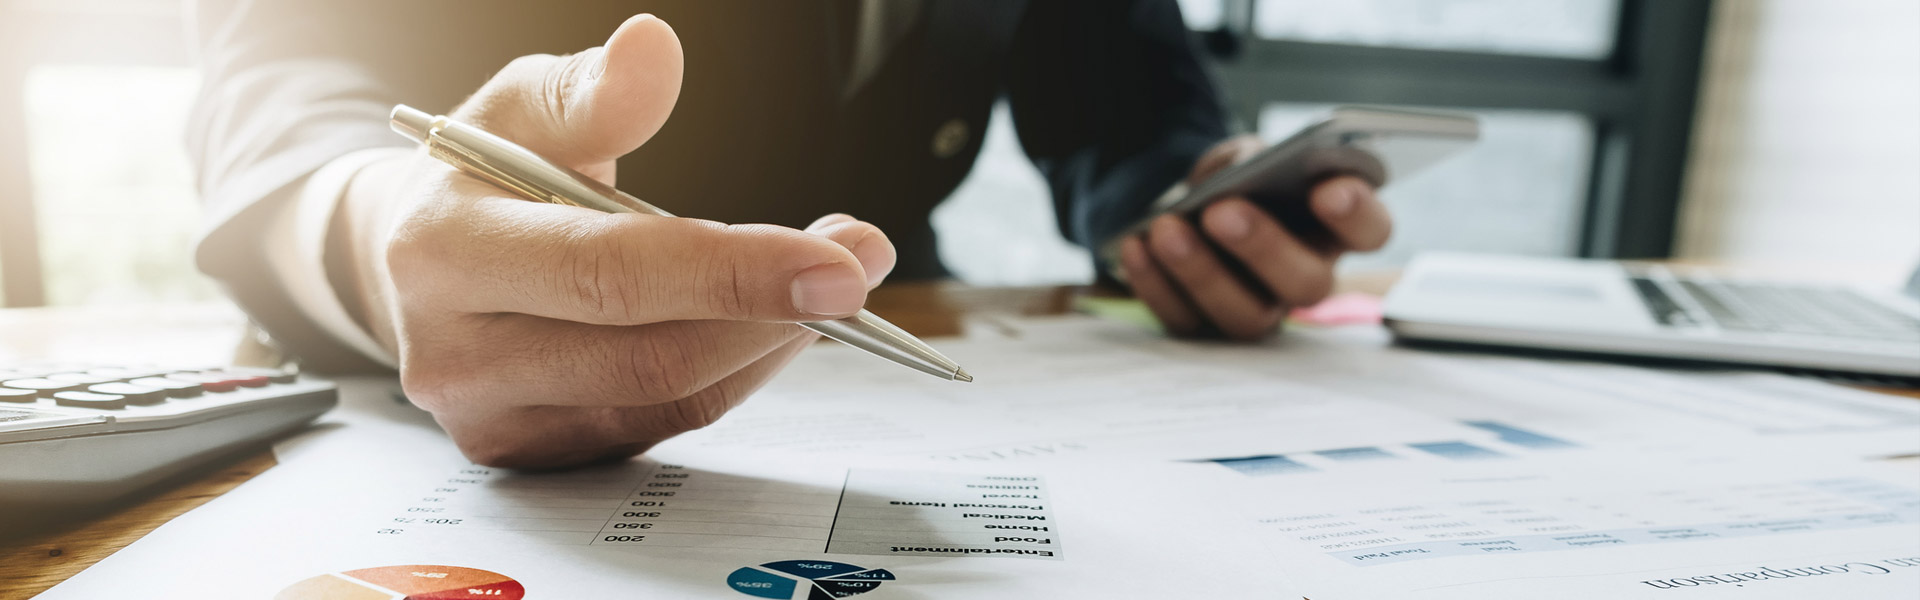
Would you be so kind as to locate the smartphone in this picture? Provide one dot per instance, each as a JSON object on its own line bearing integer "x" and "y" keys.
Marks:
{"x": 1375, "y": 144}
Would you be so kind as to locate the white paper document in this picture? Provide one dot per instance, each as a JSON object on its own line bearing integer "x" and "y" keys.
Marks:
{"x": 1106, "y": 390}
{"x": 1095, "y": 460}
{"x": 381, "y": 506}
{"x": 1079, "y": 386}
{"x": 1590, "y": 524}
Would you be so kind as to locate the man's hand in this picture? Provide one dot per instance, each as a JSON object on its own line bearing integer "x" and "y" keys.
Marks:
{"x": 1190, "y": 287}
{"x": 544, "y": 335}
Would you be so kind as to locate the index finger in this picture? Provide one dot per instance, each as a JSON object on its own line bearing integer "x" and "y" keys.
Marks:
{"x": 488, "y": 253}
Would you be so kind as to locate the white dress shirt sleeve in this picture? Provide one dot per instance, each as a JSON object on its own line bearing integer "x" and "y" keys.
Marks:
{"x": 296, "y": 248}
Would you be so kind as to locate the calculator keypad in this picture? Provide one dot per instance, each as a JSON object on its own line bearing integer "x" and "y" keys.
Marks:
{"x": 116, "y": 388}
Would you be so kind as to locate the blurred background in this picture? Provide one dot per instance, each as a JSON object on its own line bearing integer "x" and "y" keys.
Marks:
{"x": 1743, "y": 131}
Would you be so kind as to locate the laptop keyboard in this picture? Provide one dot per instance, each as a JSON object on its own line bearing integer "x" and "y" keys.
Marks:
{"x": 1770, "y": 308}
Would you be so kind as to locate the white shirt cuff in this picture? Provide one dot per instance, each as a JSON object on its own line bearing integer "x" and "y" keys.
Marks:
{"x": 297, "y": 243}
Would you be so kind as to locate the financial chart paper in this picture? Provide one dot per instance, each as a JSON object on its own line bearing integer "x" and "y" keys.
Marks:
{"x": 1599, "y": 524}
{"x": 833, "y": 510}
{"x": 382, "y": 506}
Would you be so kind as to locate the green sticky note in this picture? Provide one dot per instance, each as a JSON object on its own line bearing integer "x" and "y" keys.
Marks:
{"x": 1125, "y": 310}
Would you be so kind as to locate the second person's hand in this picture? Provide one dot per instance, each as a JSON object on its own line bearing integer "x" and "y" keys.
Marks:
{"x": 1190, "y": 287}
{"x": 544, "y": 335}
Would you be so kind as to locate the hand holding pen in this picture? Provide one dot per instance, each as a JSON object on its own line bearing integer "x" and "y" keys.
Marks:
{"x": 542, "y": 334}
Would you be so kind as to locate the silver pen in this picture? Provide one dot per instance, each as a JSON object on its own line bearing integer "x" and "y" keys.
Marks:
{"x": 519, "y": 170}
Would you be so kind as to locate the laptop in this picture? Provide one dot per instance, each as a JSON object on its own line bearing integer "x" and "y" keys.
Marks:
{"x": 1651, "y": 310}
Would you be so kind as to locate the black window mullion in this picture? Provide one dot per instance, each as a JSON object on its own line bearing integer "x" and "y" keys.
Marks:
{"x": 1659, "y": 51}
{"x": 1307, "y": 72}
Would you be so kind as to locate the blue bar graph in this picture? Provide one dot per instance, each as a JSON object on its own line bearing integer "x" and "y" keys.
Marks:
{"x": 1457, "y": 450}
{"x": 1357, "y": 454}
{"x": 1263, "y": 465}
{"x": 1521, "y": 437}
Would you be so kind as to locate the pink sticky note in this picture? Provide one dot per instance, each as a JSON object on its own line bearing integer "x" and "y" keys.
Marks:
{"x": 1351, "y": 308}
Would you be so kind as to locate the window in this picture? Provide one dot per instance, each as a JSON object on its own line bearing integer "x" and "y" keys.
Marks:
{"x": 116, "y": 204}
{"x": 1607, "y": 82}
{"x": 1586, "y": 108}
{"x": 1517, "y": 191}
{"x": 96, "y": 201}
{"x": 1562, "y": 28}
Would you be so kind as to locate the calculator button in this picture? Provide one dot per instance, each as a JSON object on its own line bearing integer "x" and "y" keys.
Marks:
{"x": 252, "y": 381}
{"x": 208, "y": 381}
{"x": 90, "y": 400}
{"x": 273, "y": 375}
{"x": 81, "y": 378}
{"x": 46, "y": 387}
{"x": 127, "y": 373}
{"x": 13, "y": 395}
{"x": 174, "y": 387}
{"x": 136, "y": 394}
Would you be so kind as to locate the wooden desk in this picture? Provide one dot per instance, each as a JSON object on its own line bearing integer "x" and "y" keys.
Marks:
{"x": 31, "y": 563}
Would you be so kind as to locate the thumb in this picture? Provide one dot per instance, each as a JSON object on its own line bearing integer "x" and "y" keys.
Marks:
{"x": 586, "y": 109}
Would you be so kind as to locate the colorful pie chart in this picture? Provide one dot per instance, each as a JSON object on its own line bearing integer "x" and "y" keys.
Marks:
{"x": 406, "y": 582}
{"x": 806, "y": 580}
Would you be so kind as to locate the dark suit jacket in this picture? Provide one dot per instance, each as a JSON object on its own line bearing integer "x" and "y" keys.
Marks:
{"x": 1109, "y": 98}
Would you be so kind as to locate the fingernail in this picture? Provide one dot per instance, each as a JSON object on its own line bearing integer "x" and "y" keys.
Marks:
{"x": 822, "y": 223}
{"x": 829, "y": 289}
{"x": 1229, "y": 222}
{"x": 1167, "y": 237}
{"x": 1341, "y": 200}
{"x": 876, "y": 256}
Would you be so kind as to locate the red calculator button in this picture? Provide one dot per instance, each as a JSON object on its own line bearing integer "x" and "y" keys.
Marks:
{"x": 207, "y": 381}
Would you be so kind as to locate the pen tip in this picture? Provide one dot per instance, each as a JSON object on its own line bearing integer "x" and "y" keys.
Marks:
{"x": 961, "y": 375}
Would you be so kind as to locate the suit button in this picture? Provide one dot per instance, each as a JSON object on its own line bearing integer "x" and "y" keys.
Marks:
{"x": 950, "y": 138}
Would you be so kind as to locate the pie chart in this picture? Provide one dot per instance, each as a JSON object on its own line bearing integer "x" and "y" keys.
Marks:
{"x": 806, "y": 580}
{"x": 406, "y": 582}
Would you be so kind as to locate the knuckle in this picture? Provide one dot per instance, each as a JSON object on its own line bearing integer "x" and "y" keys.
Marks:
{"x": 693, "y": 413}
{"x": 600, "y": 276}
{"x": 726, "y": 289}
{"x": 409, "y": 252}
{"x": 727, "y": 280}
{"x": 430, "y": 388}
{"x": 850, "y": 234}
{"x": 660, "y": 367}
{"x": 422, "y": 244}
{"x": 557, "y": 87}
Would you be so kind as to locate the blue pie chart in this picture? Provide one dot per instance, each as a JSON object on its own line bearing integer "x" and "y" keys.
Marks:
{"x": 818, "y": 579}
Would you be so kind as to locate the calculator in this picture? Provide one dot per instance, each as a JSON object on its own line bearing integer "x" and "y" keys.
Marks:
{"x": 73, "y": 435}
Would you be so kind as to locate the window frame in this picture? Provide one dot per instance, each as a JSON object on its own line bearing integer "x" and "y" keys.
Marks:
{"x": 1640, "y": 100}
